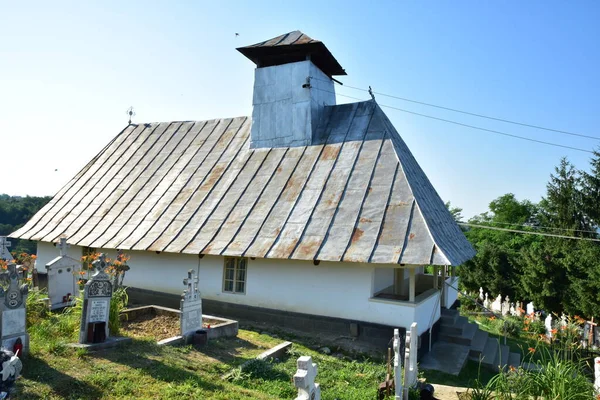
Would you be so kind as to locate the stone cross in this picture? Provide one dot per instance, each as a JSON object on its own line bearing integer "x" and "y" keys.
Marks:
{"x": 506, "y": 306}
{"x": 481, "y": 293}
{"x": 548, "y": 324}
{"x": 4, "y": 252}
{"x": 497, "y": 304}
{"x": 530, "y": 308}
{"x": 486, "y": 302}
{"x": 304, "y": 380}
{"x": 13, "y": 312}
{"x": 63, "y": 246}
{"x": 100, "y": 263}
{"x": 410, "y": 359}
{"x": 190, "y": 306}
{"x": 397, "y": 366}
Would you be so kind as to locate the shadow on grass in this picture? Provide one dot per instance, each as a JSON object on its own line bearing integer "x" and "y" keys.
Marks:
{"x": 37, "y": 370}
{"x": 178, "y": 364}
{"x": 470, "y": 372}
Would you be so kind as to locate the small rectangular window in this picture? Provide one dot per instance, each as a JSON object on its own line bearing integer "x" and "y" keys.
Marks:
{"x": 234, "y": 275}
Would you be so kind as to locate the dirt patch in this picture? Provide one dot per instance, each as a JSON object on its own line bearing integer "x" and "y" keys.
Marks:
{"x": 157, "y": 326}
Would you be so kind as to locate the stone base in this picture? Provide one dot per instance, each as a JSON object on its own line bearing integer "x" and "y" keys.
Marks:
{"x": 112, "y": 341}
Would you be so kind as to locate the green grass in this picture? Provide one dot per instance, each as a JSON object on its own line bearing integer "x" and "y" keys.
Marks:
{"x": 144, "y": 370}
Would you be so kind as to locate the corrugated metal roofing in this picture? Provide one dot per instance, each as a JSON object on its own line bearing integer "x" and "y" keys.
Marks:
{"x": 355, "y": 195}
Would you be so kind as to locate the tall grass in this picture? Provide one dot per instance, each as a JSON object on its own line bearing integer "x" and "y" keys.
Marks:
{"x": 550, "y": 376}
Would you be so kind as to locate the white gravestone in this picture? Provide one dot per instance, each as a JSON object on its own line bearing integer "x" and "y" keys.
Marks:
{"x": 597, "y": 374}
{"x": 481, "y": 293}
{"x": 410, "y": 359}
{"x": 530, "y": 309}
{"x": 96, "y": 305}
{"x": 486, "y": 303}
{"x": 12, "y": 305}
{"x": 191, "y": 306}
{"x": 506, "y": 306}
{"x": 4, "y": 252}
{"x": 548, "y": 324}
{"x": 519, "y": 309}
{"x": 62, "y": 278}
{"x": 304, "y": 380}
{"x": 397, "y": 366}
{"x": 497, "y": 304}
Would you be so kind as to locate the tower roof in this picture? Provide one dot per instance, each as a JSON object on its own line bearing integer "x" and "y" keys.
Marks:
{"x": 293, "y": 47}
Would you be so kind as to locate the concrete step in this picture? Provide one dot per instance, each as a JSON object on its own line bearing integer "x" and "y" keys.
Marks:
{"x": 502, "y": 358}
{"x": 456, "y": 328}
{"x": 514, "y": 360}
{"x": 449, "y": 358}
{"x": 490, "y": 353}
{"x": 448, "y": 317}
{"x": 465, "y": 338}
{"x": 478, "y": 344}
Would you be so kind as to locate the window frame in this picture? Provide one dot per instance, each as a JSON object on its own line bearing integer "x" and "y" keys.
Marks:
{"x": 235, "y": 280}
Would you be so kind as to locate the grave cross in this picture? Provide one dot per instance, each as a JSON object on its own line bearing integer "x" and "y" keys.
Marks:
{"x": 192, "y": 285}
{"x": 590, "y": 337}
{"x": 63, "y": 246}
{"x": 4, "y": 252}
{"x": 304, "y": 380}
{"x": 100, "y": 264}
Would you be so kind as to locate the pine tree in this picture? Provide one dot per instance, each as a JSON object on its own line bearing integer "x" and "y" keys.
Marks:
{"x": 591, "y": 190}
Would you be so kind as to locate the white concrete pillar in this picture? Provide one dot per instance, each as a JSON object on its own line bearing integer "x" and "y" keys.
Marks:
{"x": 443, "y": 294}
{"x": 412, "y": 283}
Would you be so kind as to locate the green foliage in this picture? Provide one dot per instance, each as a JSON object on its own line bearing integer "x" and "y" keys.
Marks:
{"x": 14, "y": 212}
{"x": 117, "y": 304}
{"x": 512, "y": 326}
{"x": 557, "y": 274}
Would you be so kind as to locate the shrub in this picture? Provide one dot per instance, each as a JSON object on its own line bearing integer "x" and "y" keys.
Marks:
{"x": 117, "y": 304}
{"x": 512, "y": 326}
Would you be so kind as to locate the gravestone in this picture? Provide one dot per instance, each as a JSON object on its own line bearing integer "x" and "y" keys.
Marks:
{"x": 481, "y": 293}
{"x": 304, "y": 380}
{"x": 530, "y": 309}
{"x": 486, "y": 303}
{"x": 548, "y": 325}
{"x": 397, "y": 366}
{"x": 597, "y": 374}
{"x": 497, "y": 304}
{"x": 506, "y": 306}
{"x": 597, "y": 336}
{"x": 96, "y": 305}
{"x": 410, "y": 359}
{"x": 62, "y": 278}
{"x": 4, "y": 252}
{"x": 191, "y": 306}
{"x": 13, "y": 317}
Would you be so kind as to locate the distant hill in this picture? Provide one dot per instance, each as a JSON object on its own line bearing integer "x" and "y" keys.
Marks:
{"x": 14, "y": 212}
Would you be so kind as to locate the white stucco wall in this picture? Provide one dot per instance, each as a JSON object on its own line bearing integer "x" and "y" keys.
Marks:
{"x": 340, "y": 290}
{"x": 47, "y": 252}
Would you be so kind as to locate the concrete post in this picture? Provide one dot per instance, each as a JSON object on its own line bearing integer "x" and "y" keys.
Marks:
{"x": 412, "y": 285}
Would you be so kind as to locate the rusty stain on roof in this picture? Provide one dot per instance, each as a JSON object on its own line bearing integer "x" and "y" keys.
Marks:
{"x": 197, "y": 187}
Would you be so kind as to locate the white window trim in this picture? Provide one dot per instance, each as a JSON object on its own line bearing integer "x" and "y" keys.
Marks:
{"x": 235, "y": 270}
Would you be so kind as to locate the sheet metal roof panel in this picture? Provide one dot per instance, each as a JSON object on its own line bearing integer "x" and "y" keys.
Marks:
{"x": 207, "y": 191}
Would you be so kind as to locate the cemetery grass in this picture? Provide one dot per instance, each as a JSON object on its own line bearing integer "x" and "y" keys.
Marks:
{"x": 144, "y": 370}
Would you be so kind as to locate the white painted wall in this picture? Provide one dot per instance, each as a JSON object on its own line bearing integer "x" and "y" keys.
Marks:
{"x": 383, "y": 278}
{"x": 284, "y": 113}
{"x": 47, "y": 252}
{"x": 340, "y": 290}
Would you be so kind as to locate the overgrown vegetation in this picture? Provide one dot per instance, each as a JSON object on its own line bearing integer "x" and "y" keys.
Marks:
{"x": 557, "y": 274}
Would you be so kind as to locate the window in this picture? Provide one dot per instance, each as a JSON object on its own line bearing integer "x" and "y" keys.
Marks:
{"x": 234, "y": 275}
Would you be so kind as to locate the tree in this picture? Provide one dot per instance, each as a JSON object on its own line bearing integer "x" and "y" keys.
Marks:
{"x": 563, "y": 205}
{"x": 591, "y": 191}
{"x": 456, "y": 212}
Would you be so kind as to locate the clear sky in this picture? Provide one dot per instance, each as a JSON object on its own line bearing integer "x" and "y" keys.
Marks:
{"x": 70, "y": 70}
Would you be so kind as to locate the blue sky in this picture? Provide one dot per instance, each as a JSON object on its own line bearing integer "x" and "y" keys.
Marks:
{"x": 70, "y": 70}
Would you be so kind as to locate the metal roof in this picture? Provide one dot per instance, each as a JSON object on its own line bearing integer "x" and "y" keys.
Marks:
{"x": 292, "y": 47}
{"x": 357, "y": 194}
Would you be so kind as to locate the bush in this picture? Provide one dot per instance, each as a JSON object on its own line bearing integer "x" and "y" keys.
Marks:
{"x": 512, "y": 326}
